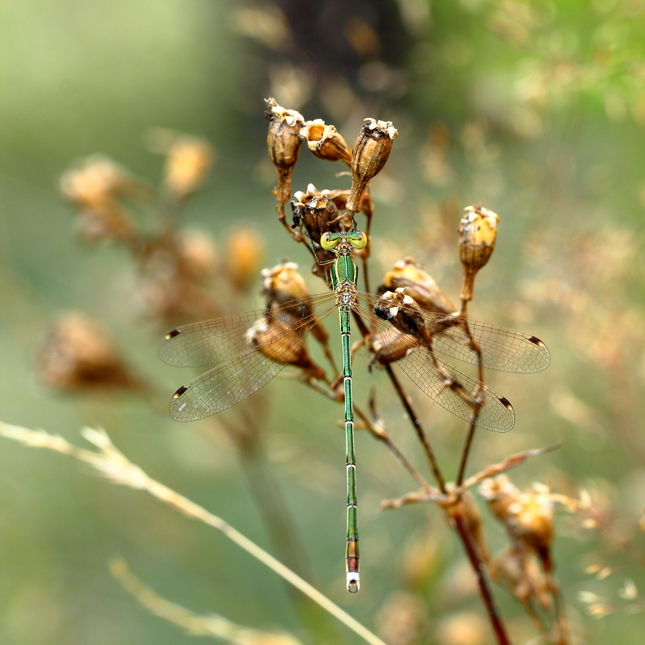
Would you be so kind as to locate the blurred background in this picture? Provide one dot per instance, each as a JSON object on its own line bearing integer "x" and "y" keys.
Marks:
{"x": 536, "y": 109}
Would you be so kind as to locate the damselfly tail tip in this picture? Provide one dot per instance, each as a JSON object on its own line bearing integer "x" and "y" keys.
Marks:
{"x": 353, "y": 581}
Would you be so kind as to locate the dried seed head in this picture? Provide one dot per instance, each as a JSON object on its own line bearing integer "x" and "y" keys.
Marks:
{"x": 283, "y": 141}
{"x": 371, "y": 150}
{"x": 97, "y": 183}
{"x": 517, "y": 567}
{"x": 340, "y": 197}
{"x": 77, "y": 353}
{"x": 188, "y": 161}
{"x": 317, "y": 214}
{"x": 390, "y": 346}
{"x": 96, "y": 186}
{"x": 477, "y": 235}
{"x": 197, "y": 254}
{"x": 283, "y": 284}
{"x": 403, "y": 312}
{"x": 103, "y": 225}
{"x": 244, "y": 251}
{"x": 527, "y": 516}
{"x": 279, "y": 341}
{"x": 325, "y": 142}
{"x": 420, "y": 285}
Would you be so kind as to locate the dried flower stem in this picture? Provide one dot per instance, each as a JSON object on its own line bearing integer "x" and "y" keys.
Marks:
{"x": 482, "y": 580}
{"x": 416, "y": 424}
{"x": 112, "y": 464}
{"x": 195, "y": 624}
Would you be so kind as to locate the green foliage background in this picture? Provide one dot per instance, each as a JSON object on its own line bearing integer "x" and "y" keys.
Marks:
{"x": 536, "y": 109}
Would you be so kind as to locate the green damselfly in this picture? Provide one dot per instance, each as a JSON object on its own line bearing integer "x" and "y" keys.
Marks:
{"x": 249, "y": 349}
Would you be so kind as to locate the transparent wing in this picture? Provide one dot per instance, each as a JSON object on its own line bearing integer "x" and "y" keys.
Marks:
{"x": 506, "y": 350}
{"x": 448, "y": 386}
{"x": 223, "y": 386}
{"x": 222, "y": 339}
{"x": 456, "y": 391}
{"x": 235, "y": 379}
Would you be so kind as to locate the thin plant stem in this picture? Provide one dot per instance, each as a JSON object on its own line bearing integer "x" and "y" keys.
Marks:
{"x": 482, "y": 581}
{"x": 112, "y": 464}
{"x": 416, "y": 424}
{"x": 465, "y": 453}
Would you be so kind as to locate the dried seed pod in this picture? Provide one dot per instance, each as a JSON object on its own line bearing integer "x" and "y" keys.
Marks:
{"x": 280, "y": 342}
{"x": 326, "y": 142}
{"x": 340, "y": 197}
{"x": 371, "y": 150}
{"x": 188, "y": 161}
{"x": 196, "y": 254}
{"x": 244, "y": 249}
{"x": 477, "y": 235}
{"x": 404, "y": 313}
{"x": 95, "y": 186}
{"x": 283, "y": 284}
{"x": 283, "y": 141}
{"x": 390, "y": 346}
{"x": 77, "y": 353}
{"x": 399, "y": 308}
{"x": 97, "y": 183}
{"x": 317, "y": 213}
{"x": 527, "y": 516}
{"x": 420, "y": 285}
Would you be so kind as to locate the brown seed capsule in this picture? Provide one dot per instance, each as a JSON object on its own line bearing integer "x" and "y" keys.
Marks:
{"x": 317, "y": 213}
{"x": 283, "y": 141}
{"x": 477, "y": 235}
{"x": 188, "y": 161}
{"x": 325, "y": 142}
{"x": 96, "y": 183}
{"x": 77, "y": 354}
{"x": 196, "y": 254}
{"x": 527, "y": 516}
{"x": 340, "y": 197}
{"x": 371, "y": 150}
{"x": 96, "y": 186}
{"x": 420, "y": 285}
{"x": 283, "y": 284}
{"x": 277, "y": 340}
{"x": 244, "y": 251}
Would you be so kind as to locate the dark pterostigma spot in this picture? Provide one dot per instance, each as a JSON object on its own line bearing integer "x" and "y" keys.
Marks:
{"x": 182, "y": 389}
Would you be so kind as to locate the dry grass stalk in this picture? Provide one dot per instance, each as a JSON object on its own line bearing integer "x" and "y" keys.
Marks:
{"x": 109, "y": 462}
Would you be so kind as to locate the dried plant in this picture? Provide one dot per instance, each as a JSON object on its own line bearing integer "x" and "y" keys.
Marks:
{"x": 407, "y": 316}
